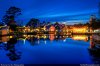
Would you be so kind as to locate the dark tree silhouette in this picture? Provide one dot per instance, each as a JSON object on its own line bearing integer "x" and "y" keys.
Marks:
{"x": 87, "y": 24}
{"x": 11, "y": 14}
{"x": 10, "y": 47}
{"x": 57, "y": 26}
{"x": 12, "y": 23}
{"x": 1, "y": 24}
{"x": 13, "y": 11}
{"x": 33, "y": 23}
{"x": 5, "y": 19}
{"x": 96, "y": 24}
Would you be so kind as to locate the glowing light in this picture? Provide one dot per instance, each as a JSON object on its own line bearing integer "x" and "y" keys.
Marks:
{"x": 97, "y": 31}
{"x": 11, "y": 36}
{"x": 80, "y": 37}
{"x": 24, "y": 40}
{"x": 56, "y": 36}
{"x": 80, "y": 29}
{"x": 37, "y": 30}
{"x": 5, "y": 42}
{"x": 45, "y": 37}
{"x": 23, "y": 26}
{"x": 25, "y": 35}
{"x": 64, "y": 40}
{"x": 38, "y": 37}
{"x": 38, "y": 41}
{"x": 45, "y": 41}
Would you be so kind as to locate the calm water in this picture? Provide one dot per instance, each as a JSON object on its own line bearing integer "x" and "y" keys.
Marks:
{"x": 47, "y": 49}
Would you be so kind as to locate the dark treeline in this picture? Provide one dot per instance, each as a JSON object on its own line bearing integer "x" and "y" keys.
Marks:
{"x": 96, "y": 24}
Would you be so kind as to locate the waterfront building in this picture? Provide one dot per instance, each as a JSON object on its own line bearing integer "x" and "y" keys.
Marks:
{"x": 52, "y": 29}
{"x": 24, "y": 29}
{"x": 79, "y": 29}
{"x": 97, "y": 30}
{"x": 4, "y": 30}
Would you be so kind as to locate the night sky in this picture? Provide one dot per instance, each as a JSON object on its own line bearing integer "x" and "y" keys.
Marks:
{"x": 69, "y": 11}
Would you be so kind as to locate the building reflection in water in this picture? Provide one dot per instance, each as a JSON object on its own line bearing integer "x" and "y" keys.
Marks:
{"x": 51, "y": 37}
{"x": 4, "y": 39}
{"x": 94, "y": 41}
{"x": 92, "y": 45}
{"x": 14, "y": 54}
{"x": 94, "y": 49}
{"x": 80, "y": 37}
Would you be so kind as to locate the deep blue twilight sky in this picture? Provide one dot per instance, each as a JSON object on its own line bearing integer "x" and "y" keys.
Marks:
{"x": 69, "y": 11}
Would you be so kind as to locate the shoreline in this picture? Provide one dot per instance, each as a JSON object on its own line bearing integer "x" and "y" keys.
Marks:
{"x": 53, "y": 33}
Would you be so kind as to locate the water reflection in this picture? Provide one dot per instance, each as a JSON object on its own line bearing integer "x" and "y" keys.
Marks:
{"x": 8, "y": 43}
{"x": 9, "y": 46}
{"x": 80, "y": 37}
{"x": 95, "y": 48}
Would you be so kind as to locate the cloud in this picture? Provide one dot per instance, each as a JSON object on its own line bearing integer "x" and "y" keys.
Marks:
{"x": 53, "y": 10}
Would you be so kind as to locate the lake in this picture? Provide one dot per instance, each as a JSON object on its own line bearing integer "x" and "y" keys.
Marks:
{"x": 49, "y": 49}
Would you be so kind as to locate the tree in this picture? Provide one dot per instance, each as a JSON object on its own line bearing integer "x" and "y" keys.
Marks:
{"x": 9, "y": 17}
{"x": 13, "y": 11}
{"x": 5, "y": 19}
{"x": 33, "y": 23}
{"x": 57, "y": 26}
{"x": 1, "y": 24}
{"x": 96, "y": 24}
{"x": 13, "y": 54}
{"x": 11, "y": 14}
{"x": 87, "y": 24}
